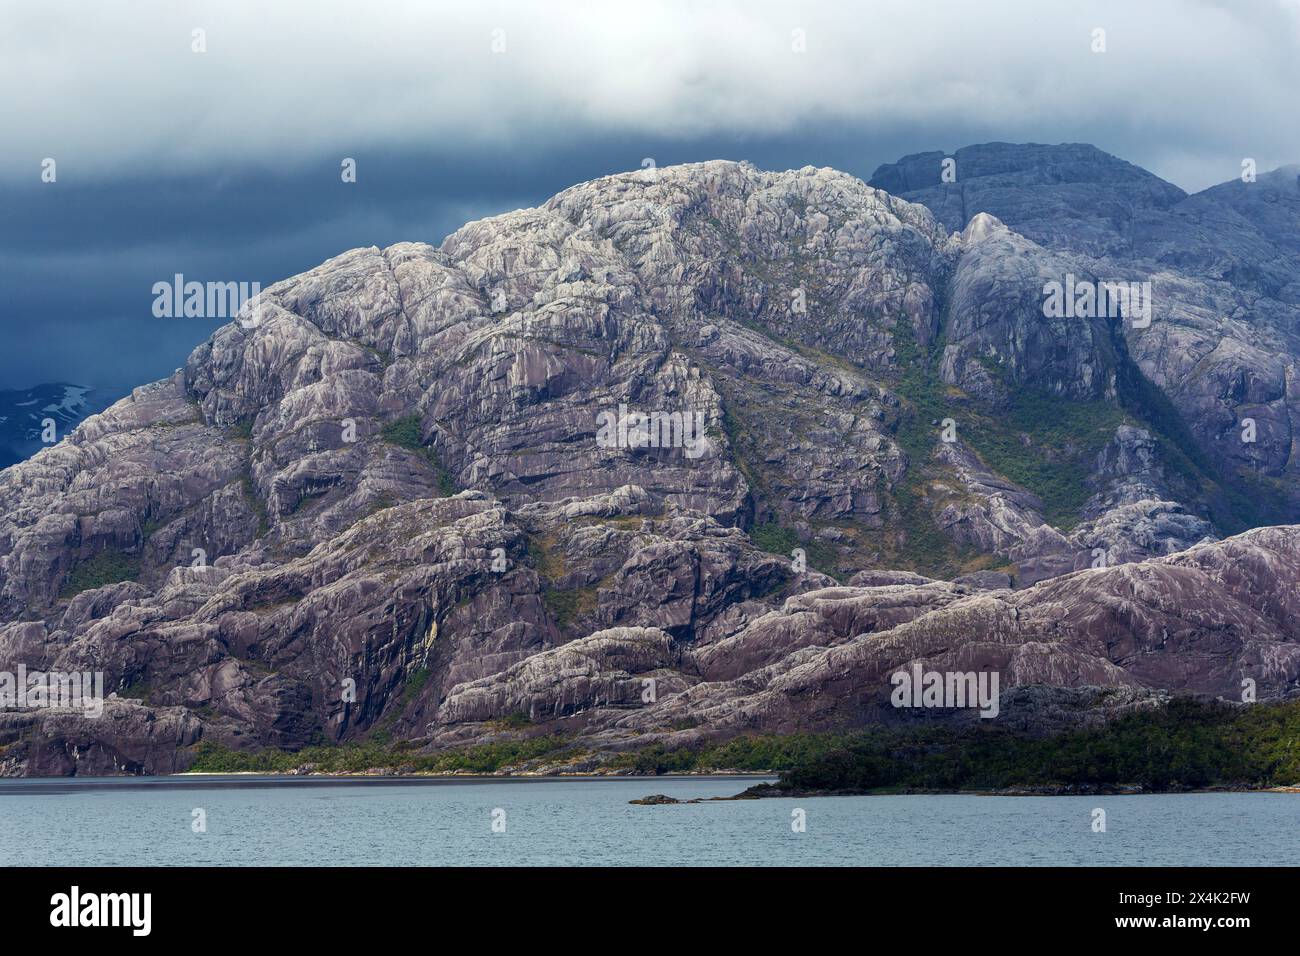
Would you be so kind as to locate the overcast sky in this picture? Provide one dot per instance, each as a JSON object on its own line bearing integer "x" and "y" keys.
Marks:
{"x": 224, "y": 164}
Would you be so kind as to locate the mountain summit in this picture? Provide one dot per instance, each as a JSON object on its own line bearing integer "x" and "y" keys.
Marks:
{"x": 687, "y": 452}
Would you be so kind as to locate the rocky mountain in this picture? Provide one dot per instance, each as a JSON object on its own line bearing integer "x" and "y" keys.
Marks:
{"x": 691, "y": 452}
{"x": 1222, "y": 338}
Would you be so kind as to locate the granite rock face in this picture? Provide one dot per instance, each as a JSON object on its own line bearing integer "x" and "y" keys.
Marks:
{"x": 1222, "y": 339}
{"x": 683, "y": 452}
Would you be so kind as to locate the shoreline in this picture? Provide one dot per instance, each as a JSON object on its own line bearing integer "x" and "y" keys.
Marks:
{"x": 769, "y": 791}
{"x": 757, "y": 791}
{"x": 463, "y": 774}
{"x": 271, "y": 779}
{"x": 760, "y": 791}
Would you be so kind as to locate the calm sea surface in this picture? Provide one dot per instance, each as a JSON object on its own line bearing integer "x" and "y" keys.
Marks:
{"x": 327, "y": 822}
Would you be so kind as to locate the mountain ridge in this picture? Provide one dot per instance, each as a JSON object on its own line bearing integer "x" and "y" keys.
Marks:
{"x": 826, "y": 331}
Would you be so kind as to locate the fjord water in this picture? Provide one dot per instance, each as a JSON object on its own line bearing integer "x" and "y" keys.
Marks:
{"x": 312, "y": 821}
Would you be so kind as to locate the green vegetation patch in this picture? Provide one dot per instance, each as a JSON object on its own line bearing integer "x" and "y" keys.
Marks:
{"x": 775, "y": 539}
{"x": 359, "y": 757}
{"x": 751, "y": 754}
{"x": 1046, "y": 444}
{"x": 242, "y": 431}
{"x": 516, "y": 721}
{"x": 405, "y": 433}
{"x": 1188, "y": 744}
{"x": 1185, "y": 745}
{"x": 567, "y": 606}
{"x": 107, "y": 567}
{"x": 138, "y": 689}
{"x": 546, "y": 558}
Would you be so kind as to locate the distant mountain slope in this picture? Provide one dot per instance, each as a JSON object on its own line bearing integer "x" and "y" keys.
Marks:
{"x": 1222, "y": 343}
{"x": 419, "y": 474}
{"x": 1072, "y": 197}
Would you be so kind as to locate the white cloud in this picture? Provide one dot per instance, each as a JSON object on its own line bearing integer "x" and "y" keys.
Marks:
{"x": 108, "y": 88}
